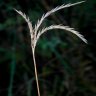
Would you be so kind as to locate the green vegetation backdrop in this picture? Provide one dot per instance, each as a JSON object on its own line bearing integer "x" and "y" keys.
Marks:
{"x": 65, "y": 64}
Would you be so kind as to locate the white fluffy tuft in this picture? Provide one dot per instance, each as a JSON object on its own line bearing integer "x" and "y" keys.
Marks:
{"x": 36, "y": 33}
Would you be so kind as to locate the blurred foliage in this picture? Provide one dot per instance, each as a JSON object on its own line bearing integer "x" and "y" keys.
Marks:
{"x": 66, "y": 66}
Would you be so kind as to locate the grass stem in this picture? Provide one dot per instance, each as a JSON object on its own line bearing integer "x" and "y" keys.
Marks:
{"x": 36, "y": 73}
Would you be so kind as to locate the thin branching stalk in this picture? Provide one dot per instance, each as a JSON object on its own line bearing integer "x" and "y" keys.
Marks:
{"x": 35, "y": 33}
{"x": 44, "y": 16}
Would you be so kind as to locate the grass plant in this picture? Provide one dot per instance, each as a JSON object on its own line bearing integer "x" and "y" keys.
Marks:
{"x": 36, "y": 32}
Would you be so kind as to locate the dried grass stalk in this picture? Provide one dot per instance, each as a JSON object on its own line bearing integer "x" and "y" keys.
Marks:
{"x": 36, "y": 33}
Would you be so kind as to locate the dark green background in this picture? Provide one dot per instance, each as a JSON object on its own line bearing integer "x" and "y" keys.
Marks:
{"x": 66, "y": 65}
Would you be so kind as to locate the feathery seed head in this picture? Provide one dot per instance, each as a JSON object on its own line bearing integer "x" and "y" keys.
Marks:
{"x": 36, "y": 33}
